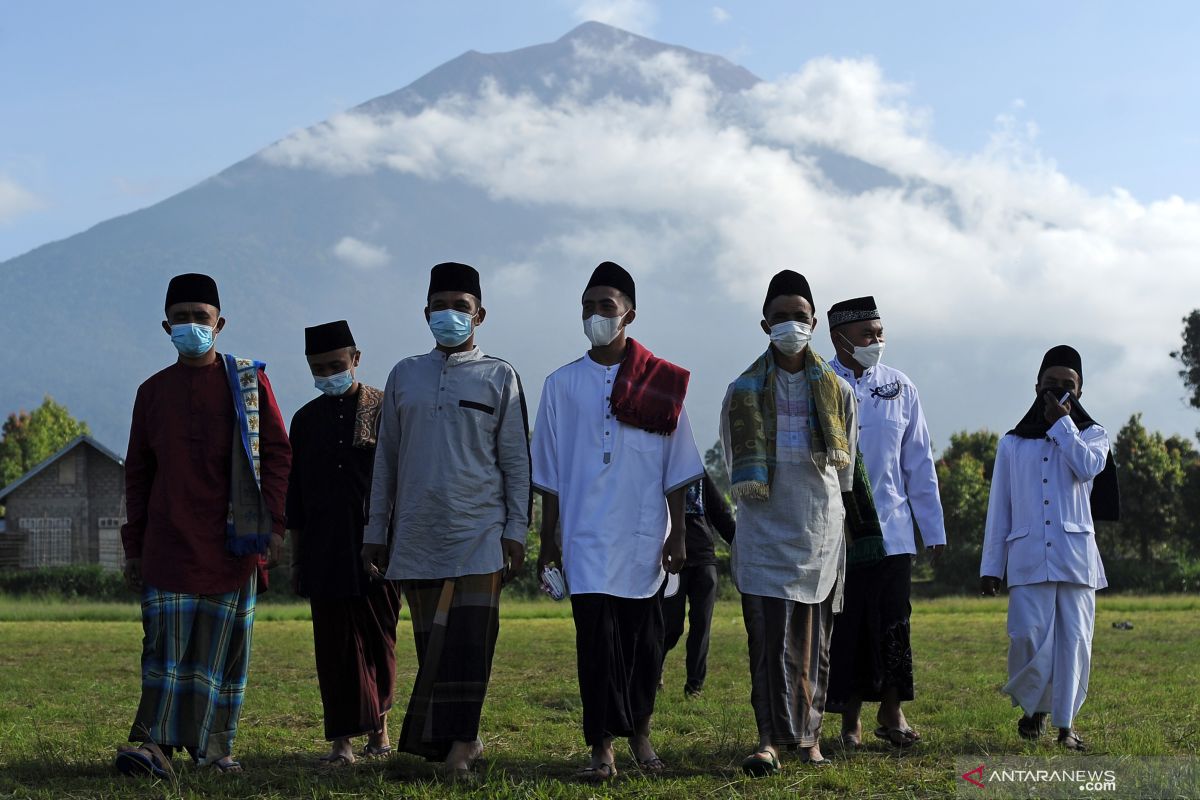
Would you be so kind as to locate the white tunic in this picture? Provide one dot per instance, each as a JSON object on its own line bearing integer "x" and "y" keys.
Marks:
{"x": 792, "y": 546}
{"x": 611, "y": 480}
{"x": 894, "y": 441}
{"x": 1039, "y": 522}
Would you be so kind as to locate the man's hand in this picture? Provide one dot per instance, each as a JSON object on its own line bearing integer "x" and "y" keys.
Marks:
{"x": 274, "y": 550}
{"x": 548, "y": 555}
{"x": 373, "y": 558}
{"x": 989, "y": 586}
{"x": 1054, "y": 411}
{"x": 935, "y": 552}
{"x": 674, "y": 553}
{"x": 133, "y": 574}
{"x": 296, "y": 580}
{"x": 514, "y": 559}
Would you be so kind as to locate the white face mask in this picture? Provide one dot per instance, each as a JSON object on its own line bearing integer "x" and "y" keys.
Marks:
{"x": 791, "y": 337}
{"x": 868, "y": 356}
{"x": 600, "y": 331}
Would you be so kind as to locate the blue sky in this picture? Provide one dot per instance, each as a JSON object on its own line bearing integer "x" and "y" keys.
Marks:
{"x": 111, "y": 107}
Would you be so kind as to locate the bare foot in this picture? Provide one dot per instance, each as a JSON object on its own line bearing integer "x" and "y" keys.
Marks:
{"x": 463, "y": 754}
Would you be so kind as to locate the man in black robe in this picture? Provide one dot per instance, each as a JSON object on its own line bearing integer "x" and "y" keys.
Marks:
{"x": 353, "y": 616}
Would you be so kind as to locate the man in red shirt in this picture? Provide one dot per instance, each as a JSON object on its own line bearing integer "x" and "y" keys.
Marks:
{"x": 205, "y": 487}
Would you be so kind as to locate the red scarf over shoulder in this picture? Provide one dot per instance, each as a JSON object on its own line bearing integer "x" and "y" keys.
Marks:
{"x": 648, "y": 392}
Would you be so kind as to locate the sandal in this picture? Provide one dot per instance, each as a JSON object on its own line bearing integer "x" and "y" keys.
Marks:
{"x": 334, "y": 762}
{"x": 655, "y": 764}
{"x": 600, "y": 774}
{"x": 1032, "y": 726}
{"x": 897, "y": 737}
{"x": 229, "y": 767}
{"x": 1069, "y": 740}
{"x": 137, "y": 761}
{"x": 371, "y": 751}
{"x": 756, "y": 766}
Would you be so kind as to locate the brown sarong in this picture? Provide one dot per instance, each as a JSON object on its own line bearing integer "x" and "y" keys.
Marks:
{"x": 455, "y": 624}
{"x": 354, "y": 639}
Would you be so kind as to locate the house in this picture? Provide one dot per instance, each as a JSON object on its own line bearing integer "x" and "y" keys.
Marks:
{"x": 67, "y": 510}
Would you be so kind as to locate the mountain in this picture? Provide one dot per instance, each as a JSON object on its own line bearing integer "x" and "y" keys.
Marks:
{"x": 81, "y": 316}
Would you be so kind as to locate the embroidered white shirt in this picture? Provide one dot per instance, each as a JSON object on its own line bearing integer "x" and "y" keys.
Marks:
{"x": 894, "y": 441}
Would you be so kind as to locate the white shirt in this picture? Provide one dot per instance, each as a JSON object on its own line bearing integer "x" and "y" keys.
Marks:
{"x": 611, "y": 480}
{"x": 894, "y": 441}
{"x": 1039, "y": 522}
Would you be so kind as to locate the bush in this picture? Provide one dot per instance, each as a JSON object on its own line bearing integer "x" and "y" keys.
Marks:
{"x": 79, "y": 581}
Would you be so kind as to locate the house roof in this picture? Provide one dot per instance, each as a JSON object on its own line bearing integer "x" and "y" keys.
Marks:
{"x": 68, "y": 447}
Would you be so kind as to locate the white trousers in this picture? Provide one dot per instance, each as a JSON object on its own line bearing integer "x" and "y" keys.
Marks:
{"x": 1050, "y": 648}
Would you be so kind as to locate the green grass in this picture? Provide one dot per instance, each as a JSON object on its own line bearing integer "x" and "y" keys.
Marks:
{"x": 69, "y": 686}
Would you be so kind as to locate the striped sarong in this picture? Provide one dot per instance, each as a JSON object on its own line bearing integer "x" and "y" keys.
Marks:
{"x": 455, "y": 623}
{"x": 195, "y": 657}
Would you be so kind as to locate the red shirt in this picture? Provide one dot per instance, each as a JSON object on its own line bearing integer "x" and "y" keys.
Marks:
{"x": 178, "y": 475}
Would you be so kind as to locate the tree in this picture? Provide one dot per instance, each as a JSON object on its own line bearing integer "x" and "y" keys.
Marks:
{"x": 29, "y": 438}
{"x": 1152, "y": 479}
{"x": 1189, "y": 356}
{"x": 964, "y": 490}
{"x": 980, "y": 445}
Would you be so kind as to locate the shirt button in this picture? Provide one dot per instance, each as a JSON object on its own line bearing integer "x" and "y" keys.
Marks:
{"x": 1046, "y": 502}
{"x": 341, "y": 441}
{"x": 1044, "y": 458}
{"x": 1045, "y": 480}
{"x": 1049, "y": 544}
{"x": 1047, "y": 522}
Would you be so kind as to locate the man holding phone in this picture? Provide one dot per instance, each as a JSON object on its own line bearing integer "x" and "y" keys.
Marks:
{"x": 1053, "y": 477}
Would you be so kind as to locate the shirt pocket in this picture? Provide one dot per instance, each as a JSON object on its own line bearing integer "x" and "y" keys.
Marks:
{"x": 1076, "y": 528}
{"x": 642, "y": 441}
{"x": 1019, "y": 533}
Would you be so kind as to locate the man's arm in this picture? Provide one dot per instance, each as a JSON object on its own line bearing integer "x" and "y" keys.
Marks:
{"x": 681, "y": 468}
{"x": 295, "y": 505}
{"x": 920, "y": 477}
{"x": 383, "y": 481}
{"x": 999, "y": 522}
{"x": 850, "y": 414}
{"x": 513, "y": 455}
{"x": 1084, "y": 451}
{"x": 545, "y": 478}
{"x": 275, "y": 461}
{"x": 717, "y": 510}
{"x": 674, "y": 555}
{"x": 140, "y": 467}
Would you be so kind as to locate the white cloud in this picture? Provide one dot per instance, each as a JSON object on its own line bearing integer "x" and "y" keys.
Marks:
{"x": 996, "y": 248}
{"x": 15, "y": 200}
{"x": 637, "y": 16}
{"x": 720, "y": 15}
{"x": 359, "y": 254}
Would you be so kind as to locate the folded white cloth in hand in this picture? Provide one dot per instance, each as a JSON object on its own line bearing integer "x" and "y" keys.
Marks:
{"x": 553, "y": 583}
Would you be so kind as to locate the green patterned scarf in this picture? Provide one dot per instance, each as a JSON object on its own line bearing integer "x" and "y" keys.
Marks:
{"x": 752, "y": 429}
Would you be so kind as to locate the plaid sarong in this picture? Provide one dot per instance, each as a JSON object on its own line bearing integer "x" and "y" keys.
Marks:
{"x": 195, "y": 656}
{"x": 455, "y": 623}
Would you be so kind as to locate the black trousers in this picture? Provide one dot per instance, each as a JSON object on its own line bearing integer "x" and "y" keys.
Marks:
{"x": 619, "y": 647}
{"x": 871, "y": 651}
{"x": 698, "y": 592}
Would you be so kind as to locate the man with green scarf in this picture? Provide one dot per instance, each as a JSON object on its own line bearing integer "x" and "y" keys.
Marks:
{"x": 789, "y": 430}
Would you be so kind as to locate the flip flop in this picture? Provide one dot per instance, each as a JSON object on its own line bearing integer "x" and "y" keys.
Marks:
{"x": 897, "y": 737}
{"x": 370, "y": 751}
{"x": 651, "y": 764}
{"x": 1070, "y": 740}
{"x": 601, "y": 774}
{"x": 135, "y": 763}
{"x": 756, "y": 766}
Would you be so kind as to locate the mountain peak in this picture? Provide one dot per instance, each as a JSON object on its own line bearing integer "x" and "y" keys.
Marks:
{"x": 548, "y": 71}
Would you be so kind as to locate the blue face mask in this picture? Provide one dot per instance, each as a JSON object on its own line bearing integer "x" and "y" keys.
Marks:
{"x": 192, "y": 340}
{"x": 335, "y": 385}
{"x": 450, "y": 328}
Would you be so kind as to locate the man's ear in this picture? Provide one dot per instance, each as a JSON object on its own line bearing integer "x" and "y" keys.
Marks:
{"x": 630, "y": 316}
{"x": 357, "y": 358}
{"x": 480, "y": 315}
{"x": 220, "y": 325}
{"x": 166, "y": 327}
{"x": 427, "y": 313}
{"x": 765, "y": 327}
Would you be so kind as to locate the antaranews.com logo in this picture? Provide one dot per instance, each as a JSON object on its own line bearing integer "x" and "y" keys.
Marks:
{"x": 1067, "y": 777}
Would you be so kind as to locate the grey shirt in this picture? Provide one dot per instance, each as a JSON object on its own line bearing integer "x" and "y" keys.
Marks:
{"x": 792, "y": 545}
{"x": 451, "y": 466}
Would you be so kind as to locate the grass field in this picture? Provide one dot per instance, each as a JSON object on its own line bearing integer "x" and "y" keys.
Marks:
{"x": 69, "y": 686}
